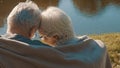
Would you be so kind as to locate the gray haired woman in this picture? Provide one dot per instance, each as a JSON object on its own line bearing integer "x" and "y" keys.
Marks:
{"x": 56, "y": 30}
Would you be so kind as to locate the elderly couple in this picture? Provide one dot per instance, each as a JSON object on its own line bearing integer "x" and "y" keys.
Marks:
{"x": 58, "y": 48}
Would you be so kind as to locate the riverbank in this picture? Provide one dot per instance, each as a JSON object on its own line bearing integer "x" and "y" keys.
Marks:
{"x": 112, "y": 42}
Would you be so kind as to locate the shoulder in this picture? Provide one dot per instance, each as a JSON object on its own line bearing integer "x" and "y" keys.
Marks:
{"x": 97, "y": 45}
{"x": 92, "y": 42}
{"x": 100, "y": 43}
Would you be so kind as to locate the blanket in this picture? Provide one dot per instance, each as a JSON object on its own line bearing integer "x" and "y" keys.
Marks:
{"x": 87, "y": 53}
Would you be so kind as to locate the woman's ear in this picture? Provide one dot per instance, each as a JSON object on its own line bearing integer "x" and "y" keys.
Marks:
{"x": 56, "y": 37}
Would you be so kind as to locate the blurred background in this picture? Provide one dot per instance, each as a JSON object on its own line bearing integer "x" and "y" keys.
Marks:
{"x": 88, "y": 16}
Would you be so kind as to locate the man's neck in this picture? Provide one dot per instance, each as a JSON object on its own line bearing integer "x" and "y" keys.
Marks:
{"x": 22, "y": 34}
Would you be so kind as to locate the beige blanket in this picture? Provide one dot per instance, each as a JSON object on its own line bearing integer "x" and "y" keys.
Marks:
{"x": 85, "y": 54}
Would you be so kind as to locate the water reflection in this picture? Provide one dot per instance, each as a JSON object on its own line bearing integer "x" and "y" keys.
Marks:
{"x": 104, "y": 3}
{"x": 116, "y": 2}
{"x": 43, "y": 4}
{"x": 102, "y": 21}
{"x": 87, "y": 6}
{"x": 104, "y": 14}
{"x": 93, "y": 6}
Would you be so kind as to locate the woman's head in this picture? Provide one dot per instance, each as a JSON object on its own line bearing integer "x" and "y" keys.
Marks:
{"x": 55, "y": 27}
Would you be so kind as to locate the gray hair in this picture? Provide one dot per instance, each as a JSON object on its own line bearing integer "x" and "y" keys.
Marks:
{"x": 55, "y": 21}
{"x": 24, "y": 16}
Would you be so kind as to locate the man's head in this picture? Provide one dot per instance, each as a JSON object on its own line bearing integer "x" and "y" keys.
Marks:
{"x": 55, "y": 26}
{"x": 24, "y": 19}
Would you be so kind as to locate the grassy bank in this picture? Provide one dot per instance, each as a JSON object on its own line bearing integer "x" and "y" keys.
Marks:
{"x": 112, "y": 41}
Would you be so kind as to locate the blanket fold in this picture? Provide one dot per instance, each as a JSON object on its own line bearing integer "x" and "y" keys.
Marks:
{"x": 85, "y": 54}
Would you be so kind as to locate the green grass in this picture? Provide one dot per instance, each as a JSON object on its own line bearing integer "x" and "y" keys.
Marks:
{"x": 112, "y": 42}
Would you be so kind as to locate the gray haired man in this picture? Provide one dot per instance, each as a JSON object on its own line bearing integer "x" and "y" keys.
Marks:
{"x": 23, "y": 22}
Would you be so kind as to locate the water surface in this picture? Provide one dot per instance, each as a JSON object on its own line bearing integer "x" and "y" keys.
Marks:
{"x": 88, "y": 16}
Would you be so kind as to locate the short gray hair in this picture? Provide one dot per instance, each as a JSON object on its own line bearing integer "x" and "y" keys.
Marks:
{"x": 24, "y": 16}
{"x": 55, "y": 21}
